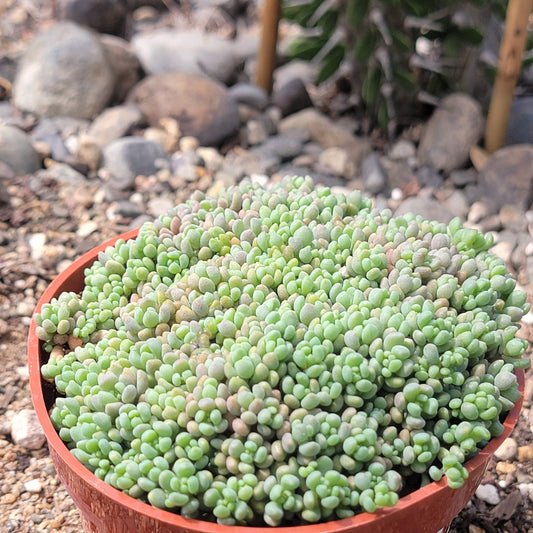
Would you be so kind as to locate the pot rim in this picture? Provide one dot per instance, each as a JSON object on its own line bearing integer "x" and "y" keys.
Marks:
{"x": 174, "y": 519}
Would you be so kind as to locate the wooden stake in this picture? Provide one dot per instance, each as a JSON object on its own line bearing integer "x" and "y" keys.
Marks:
{"x": 509, "y": 66}
{"x": 266, "y": 56}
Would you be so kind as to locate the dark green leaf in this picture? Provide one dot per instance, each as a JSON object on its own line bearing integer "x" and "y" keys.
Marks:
{"x": 371, "y": 85}
{"x": 356, "y": 11}
{"x": 383, "y": 116}
{"x": 404, "y": 77}
{"x": 301, "y": 13}
{"x": 452, "y": 44}
{"x": 471, "y": 35}
{"x": 306, "y": 47}
{"x": 402, "y": 41}
{"x": 328, "y": 22}
{"x": 331, "y": 63}
{"x": 365, "y": 46}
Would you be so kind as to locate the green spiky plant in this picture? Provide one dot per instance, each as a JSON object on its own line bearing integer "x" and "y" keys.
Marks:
{"x": 392, "y": 51}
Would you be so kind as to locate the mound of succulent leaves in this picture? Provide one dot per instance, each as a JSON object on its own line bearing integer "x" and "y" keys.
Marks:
{"x": 284, "y": 356}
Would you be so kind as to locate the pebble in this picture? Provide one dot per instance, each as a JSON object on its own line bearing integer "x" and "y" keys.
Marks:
{"x": 402, "y": 149}
{"x": 292, "y": 97}
{"x": 89, "y": 13}
{"x": 426, "y": 206}
{"x": 327, "y": 133}
{"x": 283, "y": 147}
{"x": 338, "y": 162}
{"x": 205, "y": 109}
{"x": 513, "y": 218}
{"x": 212, "y": 158}
{"x": 462, "y": 178}
{"x": 160, "y": 205}
{"x": 472, "y": 528}
{"x": 429, "y": 177}
{"x": 256, "y": 132}
{"x": 525, "y": 453}
{"x": 520, "y": 122}
{"x": 374, "y": 175}
{"x": 453, "y": 129}
{"x": 457, "y": 204}
{"x": 64, "y": 71}
{"x": 189, "y": 52}
{"x": 124, "y": 63}
{"x": 515, "y": 163}
{"x": 17, "y": 152}
{"x": 86, "y": 228}
{"x": 249, "y": 94}
{"x": 526, "y": 489}
{"x": 26, "y": 430}
{"x": 481, "y": 209}
{"x": 488, "y": 493}
{"x": 34, "y": 486}
{"x": 129, "y": 157}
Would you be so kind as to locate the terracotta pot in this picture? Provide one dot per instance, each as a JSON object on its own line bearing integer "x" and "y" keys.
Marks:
{"x": 107, "y": 510}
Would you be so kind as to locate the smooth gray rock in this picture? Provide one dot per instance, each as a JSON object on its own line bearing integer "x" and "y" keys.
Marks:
{"x": 129, "y": 157}
{"x": 17, "y": 152}
{"x": 453, "y": 129}
{"x": 325, "y": 132}
{"x": 426, "y": 206}
{"x": 64, "y": 71}
{"x": 114, "y": 122}
{"x": 124, "y": 64}
{"x": 61, "y": 173}
{"x": 283, "y": 146}
{"x": 104, "y": 16}
{"x": 291, "y": 97}
{"x": 249, "y": 94}
{"x": 520, "y": 124}
{"x": 374, "y": 175}
{"x": 507, "y": 177}
{"x": 429, "y": 177}
{"x": 201, "y": 106}
{"x": 189, "y": 52}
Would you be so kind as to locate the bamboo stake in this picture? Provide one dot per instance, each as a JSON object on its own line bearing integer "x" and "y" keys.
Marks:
{"x": 266, "y": 56}
{"x": 509, "y": 66}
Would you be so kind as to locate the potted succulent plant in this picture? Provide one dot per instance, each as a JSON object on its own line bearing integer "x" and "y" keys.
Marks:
{"x": 287, "y": 357}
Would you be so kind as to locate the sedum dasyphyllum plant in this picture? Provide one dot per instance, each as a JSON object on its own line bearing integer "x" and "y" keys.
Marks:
{"x": 284, "y": 356}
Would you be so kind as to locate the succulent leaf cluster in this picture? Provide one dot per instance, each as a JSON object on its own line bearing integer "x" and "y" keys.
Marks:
{"x": 284, "y": 356}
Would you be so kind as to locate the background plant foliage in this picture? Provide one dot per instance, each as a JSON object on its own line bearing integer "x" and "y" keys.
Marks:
{"x": 394, "y": 51}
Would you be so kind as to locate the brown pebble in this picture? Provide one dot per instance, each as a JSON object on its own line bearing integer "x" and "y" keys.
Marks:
{"x": 502, "y": 467}
{"x": 472, "y": 528}
{"x": 525, "y": 454}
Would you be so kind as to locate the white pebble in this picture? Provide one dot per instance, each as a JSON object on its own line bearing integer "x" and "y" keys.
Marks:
{"x": 488, "y": 493}
{"x": 396, "y": 194}
{"x": 507, "y": 450}
{"x": 34, "y": 485}
{"x": 526, "y": 489}
{"x": 26, "y": 431}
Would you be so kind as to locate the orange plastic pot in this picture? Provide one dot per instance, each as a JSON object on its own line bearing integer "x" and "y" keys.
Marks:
{"x": 107, "y": 510}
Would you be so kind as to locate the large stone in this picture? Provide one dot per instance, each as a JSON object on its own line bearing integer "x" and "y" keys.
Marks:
{"x": 124, "y": 63}
{"x": 17, "y": 152}
{"x": 64, "y": 71}
{"x": 326, "y": 133}
{"x": 453, "y": 129}
{"x": 191, "y": 52}
{"x": 507, "y": 177}
{"x": 202, "y": 107}
{"x": 129, "y": 157}
{"x": 105, "y": 16}
{"x": 425, "y": 206}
